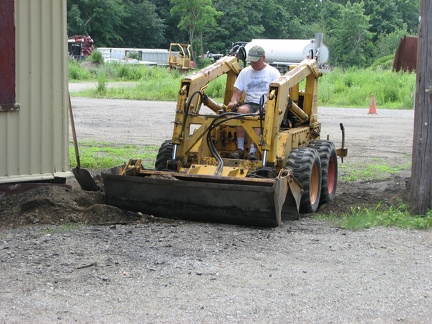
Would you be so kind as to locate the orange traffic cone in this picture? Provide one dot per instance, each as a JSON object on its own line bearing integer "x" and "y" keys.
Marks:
{"x": 372, "y": 105}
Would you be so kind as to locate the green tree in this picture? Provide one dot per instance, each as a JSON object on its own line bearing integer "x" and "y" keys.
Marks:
{"x": 409, "y": 11}
{"x": 196, "y": 16}
{"x": 171, "y": 34}
{"x": 213, "y": 25}
{"x": 101, "y": 19}
{"x": 278, "y": 10}
{"x": 76, "y": 25}
{"x": 348, "y": 35}
{"x": 241, "y": 21}
{"x": 387, "y": 43}
{"x": 387, "y": 16}
{"x": 307, "y": 12}
{"x": 245, "y": 20}
{"x": 144, "y": 27}
{"x": 384, "y": 16}
{"x": 305, "y": 18}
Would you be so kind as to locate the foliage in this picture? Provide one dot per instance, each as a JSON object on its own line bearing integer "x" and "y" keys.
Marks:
{"x": 388, "y": 43}
{"x": 145, "y": 28}
{"x": 354, "y": 87}
{"x": 398, "y": 216}
{"x": 196, "y": 16}
{"x": 351, "y": 87}
{"x": 409, "y": 12}
{"x": 99, "y": 18}
{"x": 242, "y": 19}
{"x": 76, "y": 72}
{"x": 356, "y": 32}
{"x": 348, "y": 34}
{"x": 172, "y": 34}
{"x": 136, "y": 55}
{"x": 203, "y": 62}
{"x": 383, "y": 63}
{"x": 101, "y": 87}
{"x": 152, "y": 83}
{"x": 96, "y": 57}
{"x": 384, "y": 17}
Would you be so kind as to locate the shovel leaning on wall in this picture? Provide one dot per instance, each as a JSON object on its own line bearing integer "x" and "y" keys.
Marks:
{"x": 83, "y": 177}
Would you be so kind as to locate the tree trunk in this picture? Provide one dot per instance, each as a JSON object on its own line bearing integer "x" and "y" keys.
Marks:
{"x": 191, "y": 42}
{"x": 421, "y": 172}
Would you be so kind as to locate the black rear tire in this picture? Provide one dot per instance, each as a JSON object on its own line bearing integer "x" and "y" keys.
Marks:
{"x": 306, "y": 165}
{"x": 329, "y": 168}
{"x": 165, "y": 153}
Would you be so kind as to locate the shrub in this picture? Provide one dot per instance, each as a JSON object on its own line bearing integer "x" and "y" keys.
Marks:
{"x": 96, "y": 57}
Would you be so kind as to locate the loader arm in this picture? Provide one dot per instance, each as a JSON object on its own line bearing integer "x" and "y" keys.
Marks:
{"x": 284, "y": 94}
{"x": 189, "y": 100}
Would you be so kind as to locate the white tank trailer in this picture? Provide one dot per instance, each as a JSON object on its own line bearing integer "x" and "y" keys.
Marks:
{"x": 285, "y": 52}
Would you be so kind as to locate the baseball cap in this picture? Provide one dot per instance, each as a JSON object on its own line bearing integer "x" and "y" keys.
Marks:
{"x": 255, "y": 53}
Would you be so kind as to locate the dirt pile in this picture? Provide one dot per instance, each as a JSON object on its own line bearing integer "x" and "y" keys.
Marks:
{"x": 55, "y": 205}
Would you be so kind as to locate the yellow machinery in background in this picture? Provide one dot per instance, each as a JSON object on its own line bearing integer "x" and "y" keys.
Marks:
{"x": 179, "y": 57}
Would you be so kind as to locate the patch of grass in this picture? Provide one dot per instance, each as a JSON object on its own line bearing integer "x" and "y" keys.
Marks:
{"x": 364, "y": 172}
{"x": 97, "y": 155}
{"x": 363, "y": 218}
{"x": 77, "y": 73}
{"x": 156, "y": 84}
{"x": 339, "y": 88}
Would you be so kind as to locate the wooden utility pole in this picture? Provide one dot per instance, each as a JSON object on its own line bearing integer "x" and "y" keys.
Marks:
{"x": 421, "y": 171}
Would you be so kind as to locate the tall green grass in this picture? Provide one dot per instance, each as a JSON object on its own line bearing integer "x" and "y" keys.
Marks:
{"x": 151, "y": 83}
{"x": 338, "y": 88}
{"x": 354, "y": 88}
{"x": 88, "y": 71}
{"x": 78, "y": 73}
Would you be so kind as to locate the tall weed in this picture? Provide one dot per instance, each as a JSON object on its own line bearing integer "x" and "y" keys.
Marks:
{"x": 354, "y": 88}
{"x": 393, "y": 216}
{"x": 101, "y": 87}
{"x": 339, "y": 88}
{"x": 76, "y": 72}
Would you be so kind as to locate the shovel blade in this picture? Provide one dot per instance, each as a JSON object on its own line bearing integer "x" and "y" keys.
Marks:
{"x": 244, "y": 201}
{"x": 85, "y": 179}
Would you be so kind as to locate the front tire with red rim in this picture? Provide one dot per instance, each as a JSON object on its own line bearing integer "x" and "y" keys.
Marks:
{"x": 329, "y": 167}
{"x": 306, "y": 166}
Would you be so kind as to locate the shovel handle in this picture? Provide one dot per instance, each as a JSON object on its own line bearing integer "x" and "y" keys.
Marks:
{"x": 74, "y": 133}
{"x": 343, "y": 138}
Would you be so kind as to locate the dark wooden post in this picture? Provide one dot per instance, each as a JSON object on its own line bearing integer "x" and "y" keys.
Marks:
{"x": 421, "y": 172}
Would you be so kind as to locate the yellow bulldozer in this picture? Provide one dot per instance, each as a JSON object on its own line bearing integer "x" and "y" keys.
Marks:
{"x": 179, "y": 57}
{"x": 194, "y": 177}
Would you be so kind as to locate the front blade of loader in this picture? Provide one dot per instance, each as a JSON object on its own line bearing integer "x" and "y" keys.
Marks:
{"x": 231, "y": 200}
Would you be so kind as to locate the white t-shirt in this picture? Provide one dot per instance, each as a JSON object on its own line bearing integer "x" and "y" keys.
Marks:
{"x": 256, "y": 83}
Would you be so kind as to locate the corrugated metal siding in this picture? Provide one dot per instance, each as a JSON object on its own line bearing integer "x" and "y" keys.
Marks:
{"x": 35, "y": 138}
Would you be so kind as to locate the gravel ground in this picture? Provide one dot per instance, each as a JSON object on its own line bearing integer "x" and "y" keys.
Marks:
{"x": 179, "y": 272}
{"x": 67, "y": 257}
